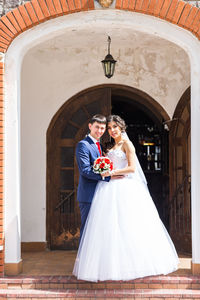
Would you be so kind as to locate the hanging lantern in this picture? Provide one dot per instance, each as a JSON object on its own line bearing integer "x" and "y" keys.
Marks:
{"x": 109, "y": 62}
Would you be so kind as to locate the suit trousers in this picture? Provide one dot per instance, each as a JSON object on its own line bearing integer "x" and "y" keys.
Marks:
{"x": 84, "y": 210}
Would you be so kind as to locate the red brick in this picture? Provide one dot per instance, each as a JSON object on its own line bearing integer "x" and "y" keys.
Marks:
{"x": 178, "y": 12}
{"x": 158, "y": 7}
{"x": 184, "y": 15}
{"x": 145, "y": 5}
{"x": 184, "y": 286}
{"x": 38, "y": 10}
{"x": 78, "y": 5}
{"x": 165, "y": 8}
{"x": 72, "y": 7}
{"x": 44, "y": 8}
{"x": 7, "y": 22}
{"x": 25, "y": 16}
{"x": 196, "y": 286}
{"x": 151, "y": 7}
{"x": 197, "y": 28}
{"x": 155, "y": 285}
{"x": 131, "y": 5}
{"x": 4, "y": 41}
{"x": 3, "y": 47}
{"x": 31, "y": 12}
{"x": 118, "y": 4}
{"x": 12, "y": 19}
{"x": 6, "y": 30}
{"x": 169, "y": 285}
{"x": 58, "y": 7}
{"x": 125, "y": 4}
{"x": 138, "y": 5}
{"x": 64, "y": 6}
{"x": 198, "y": 34}
{"x": 19, "y": 19}
{"x": 91, "y": 4}
{"x": 84, "y": 4}
{"x": 195, "y": 21}
{"x": 191, "y": 17}
{"x": 7, "y": 37}
{"x": 140, "y": 285}
{"x": 137, "y": 298}
{"x": 51, "y": 8}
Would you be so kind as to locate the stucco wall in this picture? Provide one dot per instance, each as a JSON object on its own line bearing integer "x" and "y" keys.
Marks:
{"x": 58, "y": 68}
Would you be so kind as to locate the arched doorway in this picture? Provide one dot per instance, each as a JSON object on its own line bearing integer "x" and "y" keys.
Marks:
{"x": 180, "y": 179}
{"x": 145, "y": 128}
{"x": 145, "y": 119}
{"x": 68, "y": 127}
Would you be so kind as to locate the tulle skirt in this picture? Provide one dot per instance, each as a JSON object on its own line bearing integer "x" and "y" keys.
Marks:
{"x": 124, "y": 238}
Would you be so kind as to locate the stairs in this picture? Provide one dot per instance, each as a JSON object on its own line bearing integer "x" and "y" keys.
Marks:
{"x": 67, "y": 287}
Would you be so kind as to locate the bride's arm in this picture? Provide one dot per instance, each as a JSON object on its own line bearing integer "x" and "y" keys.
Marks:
{"x": 130, "y": 154}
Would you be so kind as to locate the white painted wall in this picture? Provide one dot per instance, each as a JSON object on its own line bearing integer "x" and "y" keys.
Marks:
{"x": 55, "y": 70}
{"x": 60, "y": 58}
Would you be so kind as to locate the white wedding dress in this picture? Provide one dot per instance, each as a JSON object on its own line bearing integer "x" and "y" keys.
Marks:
{"x": 123, "y": 238}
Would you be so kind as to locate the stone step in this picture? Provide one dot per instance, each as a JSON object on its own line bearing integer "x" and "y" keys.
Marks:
{"x": 70, "y": 282}
{"x": 110, "y": 294}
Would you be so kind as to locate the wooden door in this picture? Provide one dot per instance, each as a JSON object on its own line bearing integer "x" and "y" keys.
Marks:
{"x": 69, "y": 126}
{"x": 180, "y": 176}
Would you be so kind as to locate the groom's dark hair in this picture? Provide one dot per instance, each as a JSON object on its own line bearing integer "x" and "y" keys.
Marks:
{"x": 99, "y": 119}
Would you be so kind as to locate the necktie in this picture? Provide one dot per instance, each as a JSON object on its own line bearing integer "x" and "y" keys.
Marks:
{"x": 98, "y": 145}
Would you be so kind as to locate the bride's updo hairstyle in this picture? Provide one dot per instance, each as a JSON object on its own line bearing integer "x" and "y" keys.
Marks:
{"x": 118, "y": 120}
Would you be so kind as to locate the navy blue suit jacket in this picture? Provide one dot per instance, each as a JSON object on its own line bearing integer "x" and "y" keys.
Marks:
{"x": 86, "y": 153}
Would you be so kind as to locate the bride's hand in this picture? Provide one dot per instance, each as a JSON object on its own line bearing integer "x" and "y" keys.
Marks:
{"x": 117, "y": 176}
{"x": 105, "y": 174}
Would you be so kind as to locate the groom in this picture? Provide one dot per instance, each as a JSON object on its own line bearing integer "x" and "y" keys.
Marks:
{"x": 87, "y": 152}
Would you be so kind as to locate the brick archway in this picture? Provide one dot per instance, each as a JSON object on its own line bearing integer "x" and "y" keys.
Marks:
{"x": 35, "y": 12}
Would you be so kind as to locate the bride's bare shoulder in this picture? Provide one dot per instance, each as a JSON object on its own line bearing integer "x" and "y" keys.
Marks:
{"x": 128, "y": 145}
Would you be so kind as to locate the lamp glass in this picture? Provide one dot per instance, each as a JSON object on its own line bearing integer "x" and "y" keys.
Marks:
{"x": 109, "y": 66}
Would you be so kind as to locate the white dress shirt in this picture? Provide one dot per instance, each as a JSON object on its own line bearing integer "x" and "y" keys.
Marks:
{"x": 94, "y": 140}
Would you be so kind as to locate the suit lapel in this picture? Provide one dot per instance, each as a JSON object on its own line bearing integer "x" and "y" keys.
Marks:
{"x": 92, "y": 144}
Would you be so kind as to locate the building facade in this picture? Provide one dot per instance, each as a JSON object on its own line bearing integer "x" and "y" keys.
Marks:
{"x": 52, "y": 82}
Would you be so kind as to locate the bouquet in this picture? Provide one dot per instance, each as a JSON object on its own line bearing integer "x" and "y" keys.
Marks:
{"x": 102, "y": 164}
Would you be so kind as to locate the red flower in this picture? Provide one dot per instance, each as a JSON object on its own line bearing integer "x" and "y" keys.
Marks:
{"x": 111, "y": 167}
{"x": 98, "y": 161}
{"x": 102, "y": 165}
{"x": 107, "y": 161}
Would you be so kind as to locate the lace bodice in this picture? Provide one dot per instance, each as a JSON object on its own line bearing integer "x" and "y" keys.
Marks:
{"x": 120, "y": 161}
{"x": 118, "y": 158}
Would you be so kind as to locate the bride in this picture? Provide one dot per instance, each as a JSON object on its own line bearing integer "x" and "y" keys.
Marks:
{"x": 123, "y": 238}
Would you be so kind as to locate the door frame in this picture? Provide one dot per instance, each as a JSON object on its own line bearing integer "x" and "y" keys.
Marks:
{"x": 54, "y": 129}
